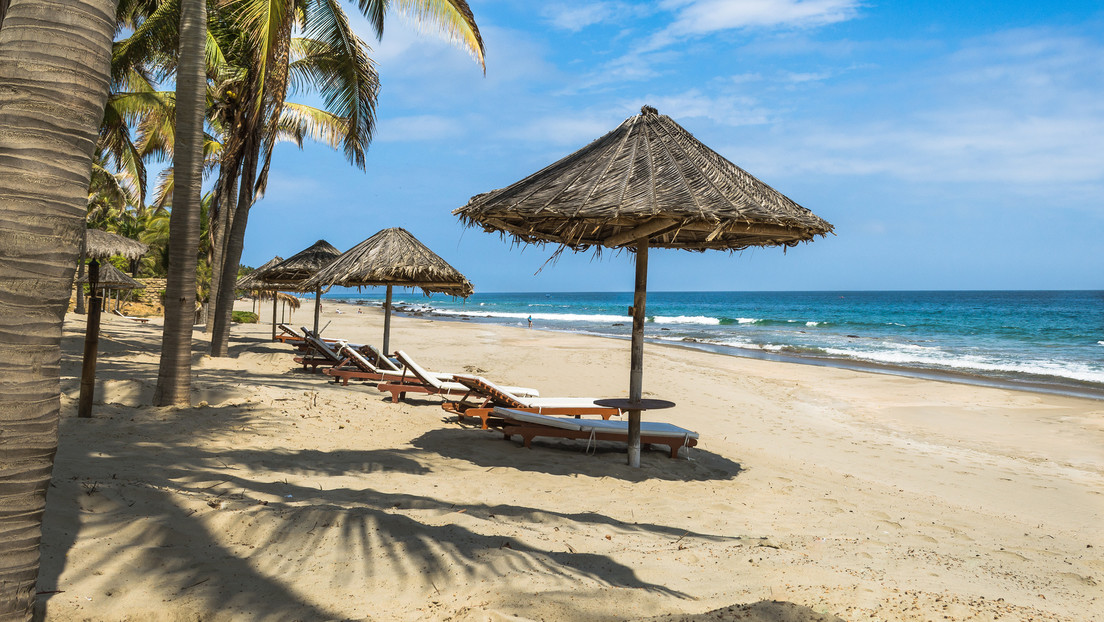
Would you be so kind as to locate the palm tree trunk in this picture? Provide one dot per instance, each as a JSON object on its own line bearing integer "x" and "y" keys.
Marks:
{"x": 174, "y": 375}
{"x": 220, "y": 224}
{"x": 235, "y": 242}
{"x": 54, "y": 62}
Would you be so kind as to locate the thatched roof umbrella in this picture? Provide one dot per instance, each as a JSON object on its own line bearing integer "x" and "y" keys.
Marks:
{"x": 99, "y": 245}
{"x": 393, "y": 258}
{"x": 293, "y": 272}
{"x": 111, "y": 277}
{"x": 649, "y": 182}
{"x": 253, "y": 283}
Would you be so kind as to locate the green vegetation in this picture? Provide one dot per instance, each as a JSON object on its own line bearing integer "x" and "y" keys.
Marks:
{"x": 245, "y": 317}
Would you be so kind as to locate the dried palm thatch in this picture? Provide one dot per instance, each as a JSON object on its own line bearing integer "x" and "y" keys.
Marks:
{"x": 291, "y": 301}
{"x": 253, "y": 282}
{"x": 112, "y": 278}
{"x": 647, "y": 183}
{"x": 393, "y": 257}
{"x": 647, "y": 179}
{"x": 291, "y": 273}
{"x": 102, "y": 244}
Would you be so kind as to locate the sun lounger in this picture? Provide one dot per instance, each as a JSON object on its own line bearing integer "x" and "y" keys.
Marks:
{"x": 357, "y": 366}
{"x": 119, "y": 313}
{"x": 531, "y": 425}
{"x": 382, "y": 361}
{"x": 322, "y": 353}
{"x": 288, "y": 334}
{"x": 422, "y": 381}
{"x": 492, "y": 395}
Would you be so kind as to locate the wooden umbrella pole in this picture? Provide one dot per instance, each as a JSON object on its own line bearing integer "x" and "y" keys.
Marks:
{"x": 317, "y": 309}
{"x": 275, "y": 303}
{"x": 636, "y": 358}
{"x": 387, "y": 323}
{"x": 91, "y": 343}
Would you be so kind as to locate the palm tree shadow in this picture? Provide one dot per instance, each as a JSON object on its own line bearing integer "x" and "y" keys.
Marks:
{"x": 575, "y": 457}
{"x": 152, "y": 497}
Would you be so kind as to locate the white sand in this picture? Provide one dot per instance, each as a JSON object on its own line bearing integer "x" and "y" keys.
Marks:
{"x": 863, "y": 495}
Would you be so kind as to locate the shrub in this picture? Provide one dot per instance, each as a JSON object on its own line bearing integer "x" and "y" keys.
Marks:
{"x": 245, "y": 317}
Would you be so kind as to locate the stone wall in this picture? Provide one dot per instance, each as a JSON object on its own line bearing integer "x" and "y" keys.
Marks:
{"x": 151, "y": 295}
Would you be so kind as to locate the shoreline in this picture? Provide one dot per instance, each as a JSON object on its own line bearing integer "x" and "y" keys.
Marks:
{"x": 1064, "y": 387}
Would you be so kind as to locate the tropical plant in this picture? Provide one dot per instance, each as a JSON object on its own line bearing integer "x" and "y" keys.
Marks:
{"x": 330, "y": 58}
{"x": 54, "y": 57}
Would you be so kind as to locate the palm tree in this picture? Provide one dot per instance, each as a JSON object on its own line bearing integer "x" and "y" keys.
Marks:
{"x": 332, "y": 59}
{"x": 54, "y": 60}
{"x": 174, "y": 378}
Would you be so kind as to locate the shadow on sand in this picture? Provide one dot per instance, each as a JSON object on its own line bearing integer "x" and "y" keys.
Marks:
{"x": 601, "y": 459}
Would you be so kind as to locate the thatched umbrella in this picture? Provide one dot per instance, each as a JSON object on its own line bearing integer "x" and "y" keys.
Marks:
{"x": 99, "y": 245}
{"x": 293, "y": 272}
{"x": 393, "y": 258}
{"x": 649, "y": 182}
{"x": 253, "y": 283}
{"x": 112, "y": 278}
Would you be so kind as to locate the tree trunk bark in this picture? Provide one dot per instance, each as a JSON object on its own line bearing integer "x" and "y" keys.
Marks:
{"x": 174, "y": 374}
{"x": 235, "y": 242}
{"x": 54, "y": 62}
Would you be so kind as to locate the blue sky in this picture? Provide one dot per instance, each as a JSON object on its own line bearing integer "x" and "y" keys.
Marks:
{"x": 953, "y": 145}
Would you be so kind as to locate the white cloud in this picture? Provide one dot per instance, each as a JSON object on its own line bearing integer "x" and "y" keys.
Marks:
{"x": 706, "y": 16}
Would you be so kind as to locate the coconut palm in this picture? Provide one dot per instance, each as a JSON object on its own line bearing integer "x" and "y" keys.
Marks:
{"x": 54, "y": 58}
{"x": 333, "y": 60}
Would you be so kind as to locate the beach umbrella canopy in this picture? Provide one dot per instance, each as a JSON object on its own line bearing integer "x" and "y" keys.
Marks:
{"x": 103, "y": 244}
{"x": 253, "y": 282}
{"x": 393, "y": 258}
{"x": 647, "y": 183}
{"x": 293, "y": 272}
{"x": 111, "y": 277}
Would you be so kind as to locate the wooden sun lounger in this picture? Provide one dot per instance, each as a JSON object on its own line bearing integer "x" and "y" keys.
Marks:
{"x": 492, "y": 396}
{"x": 119, "y": 313}
{"x": 431, "y": 384}
{"x": 288, "y": 334}
{"x": 321, "y": 353}
{"x": 531, "y": 425}
{"x": 356, "y": 366}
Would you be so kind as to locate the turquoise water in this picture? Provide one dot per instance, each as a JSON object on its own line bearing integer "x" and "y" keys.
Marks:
{"x": 1045, "y": 339}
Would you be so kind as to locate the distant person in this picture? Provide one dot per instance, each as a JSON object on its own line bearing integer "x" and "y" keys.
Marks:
{"x": 530, "y": 321}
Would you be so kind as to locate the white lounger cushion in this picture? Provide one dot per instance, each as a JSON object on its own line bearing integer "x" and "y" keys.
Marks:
{"x": 600, "y": 426}
{"x": 435, "y": 381}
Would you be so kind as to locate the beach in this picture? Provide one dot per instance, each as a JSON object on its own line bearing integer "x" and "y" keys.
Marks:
{"x": 813, "y": 492}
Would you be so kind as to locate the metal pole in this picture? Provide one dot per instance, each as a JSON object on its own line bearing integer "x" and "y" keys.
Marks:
{"x": 636, "y": 357}
{"x": 91, "y": 343}
{"x": 387, "y": 323}
{"x": 317, "y": 309}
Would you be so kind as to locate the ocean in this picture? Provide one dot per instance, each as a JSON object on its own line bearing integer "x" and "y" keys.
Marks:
{"x": 1038, "y": 340}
